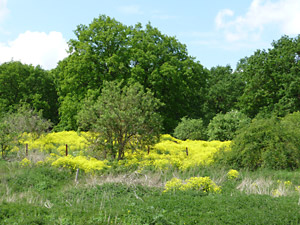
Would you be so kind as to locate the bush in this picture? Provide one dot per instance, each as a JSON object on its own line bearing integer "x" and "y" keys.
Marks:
{"x": 192, "y": 129}
{"x": 201, "y": 184}
{"x": 271, "y": 143}
{"x": 223, "y": 127}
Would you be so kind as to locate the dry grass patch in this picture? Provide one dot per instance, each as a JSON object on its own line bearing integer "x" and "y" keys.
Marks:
{"x": 130, "y": 179}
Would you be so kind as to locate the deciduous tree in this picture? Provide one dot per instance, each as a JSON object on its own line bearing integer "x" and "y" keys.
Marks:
{"x": 123, "y": 118}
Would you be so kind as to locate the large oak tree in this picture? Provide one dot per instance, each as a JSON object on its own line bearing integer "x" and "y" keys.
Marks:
{"x": 107, "y": 50}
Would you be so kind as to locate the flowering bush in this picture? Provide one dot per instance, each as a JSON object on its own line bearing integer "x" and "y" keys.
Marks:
{"x": 56, "y": 142}
{"x": 169, "y": 153}
{"x": 201, "y": 184}
{"x": 88, "y": 164}
{"x": 173, "y": 185}
{"x": 173, "y": 153}
{"x": 232, "y": 174}
{"x": 204, "y": 184}
{"x": 25, "y": 162}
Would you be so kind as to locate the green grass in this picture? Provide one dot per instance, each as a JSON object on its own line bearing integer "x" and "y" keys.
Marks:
{"x": 46, "y": 195}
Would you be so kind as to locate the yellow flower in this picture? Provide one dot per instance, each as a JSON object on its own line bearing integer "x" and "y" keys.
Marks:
{"x": 25, "y": 162}
{"x": 287, "y": 183}
{"x": 202, "y": 184}
{"x": 232, "y": 174}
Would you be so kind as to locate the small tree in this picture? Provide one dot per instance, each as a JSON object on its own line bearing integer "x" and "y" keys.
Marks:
{"x": 190, "y": 129}
{"x": 14, "y": 125}
{"x": 122, "y": 118}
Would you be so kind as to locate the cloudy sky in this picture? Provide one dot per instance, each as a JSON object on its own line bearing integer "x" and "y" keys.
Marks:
{"x": 217, "y": 32}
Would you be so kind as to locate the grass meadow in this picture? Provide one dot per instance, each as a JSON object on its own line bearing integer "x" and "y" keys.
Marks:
{"x": 39, "y": 191}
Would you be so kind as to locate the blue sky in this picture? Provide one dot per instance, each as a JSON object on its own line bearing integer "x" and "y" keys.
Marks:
{"x": 216, "y": 32}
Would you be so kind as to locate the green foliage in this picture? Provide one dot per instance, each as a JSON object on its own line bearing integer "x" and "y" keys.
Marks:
{"x": 269, "y": 142}
{"x": 107, "y": 50}
{"x": 27, "y": 120}
{"x": 99, "y": 53}
{"x": 123, "y": 118}
{"x": 224, "y": 89}
{"x": 14, "y": 125}
{"x": 272, "y": 79}
{"x": 192, "y": 129}
{"x": 21, "y": 83}
{"x": 7, "y": 136}
{"x": 223, "y": 127}
{"x": 162, "y": 64}
{"x": 39, "y": 179}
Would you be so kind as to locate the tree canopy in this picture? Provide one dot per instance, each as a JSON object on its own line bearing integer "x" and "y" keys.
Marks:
{"x": 272, "y": 79}
{"x": 21, "y": 83}
{"x": 107, "y": 50}
{"x": 224, "y": 89}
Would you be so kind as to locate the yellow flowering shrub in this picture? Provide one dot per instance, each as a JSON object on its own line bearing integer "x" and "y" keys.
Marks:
{"x": 25, "y": 162}
{"x": 87, "y": 164}
{"x": 57, "y": 141}
{"x": 173, "y": 185}
{"x": 201, "y": 184}
{"x": 171, "y": 152}
{"x": 232, "y": 174}
{"x": 204, "y": 184}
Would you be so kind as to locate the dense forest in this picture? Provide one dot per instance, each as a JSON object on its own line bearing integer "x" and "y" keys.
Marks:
{"x": 264, "y": 83}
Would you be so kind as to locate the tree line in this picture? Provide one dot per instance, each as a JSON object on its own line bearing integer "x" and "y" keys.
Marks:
{"x": 266, "y": 82}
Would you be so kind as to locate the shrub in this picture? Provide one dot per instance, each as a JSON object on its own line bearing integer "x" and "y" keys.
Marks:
{"x": 232, "y": 174}
{"x": 88, "y": 164}
{"x": 192, "y": 129}
{"x": 271, "y": 143}
{"x": 201, "y": 184}
{"x": 173, "y": 185}
{"x": 223, "y": 127}
{"x": 25, "y": 162}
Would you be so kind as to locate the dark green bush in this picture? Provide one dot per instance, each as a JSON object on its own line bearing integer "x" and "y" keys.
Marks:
{"x": 223, "y": 127}
{"x": 271, "y": 143}
{"x": 192, "y": 129}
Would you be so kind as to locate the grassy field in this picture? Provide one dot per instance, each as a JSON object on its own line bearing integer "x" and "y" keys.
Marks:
{"x": 34, "y": 191}
{"x": 48, "y": 195}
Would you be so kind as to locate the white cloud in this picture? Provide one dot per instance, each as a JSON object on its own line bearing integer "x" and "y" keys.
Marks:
{"x": 220, "y": 17}
{"x": 3, "y": 10}
{"x": 285, "y": 14}
{"x": 36, "y": 48}
{"x": 131, "y": 9}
